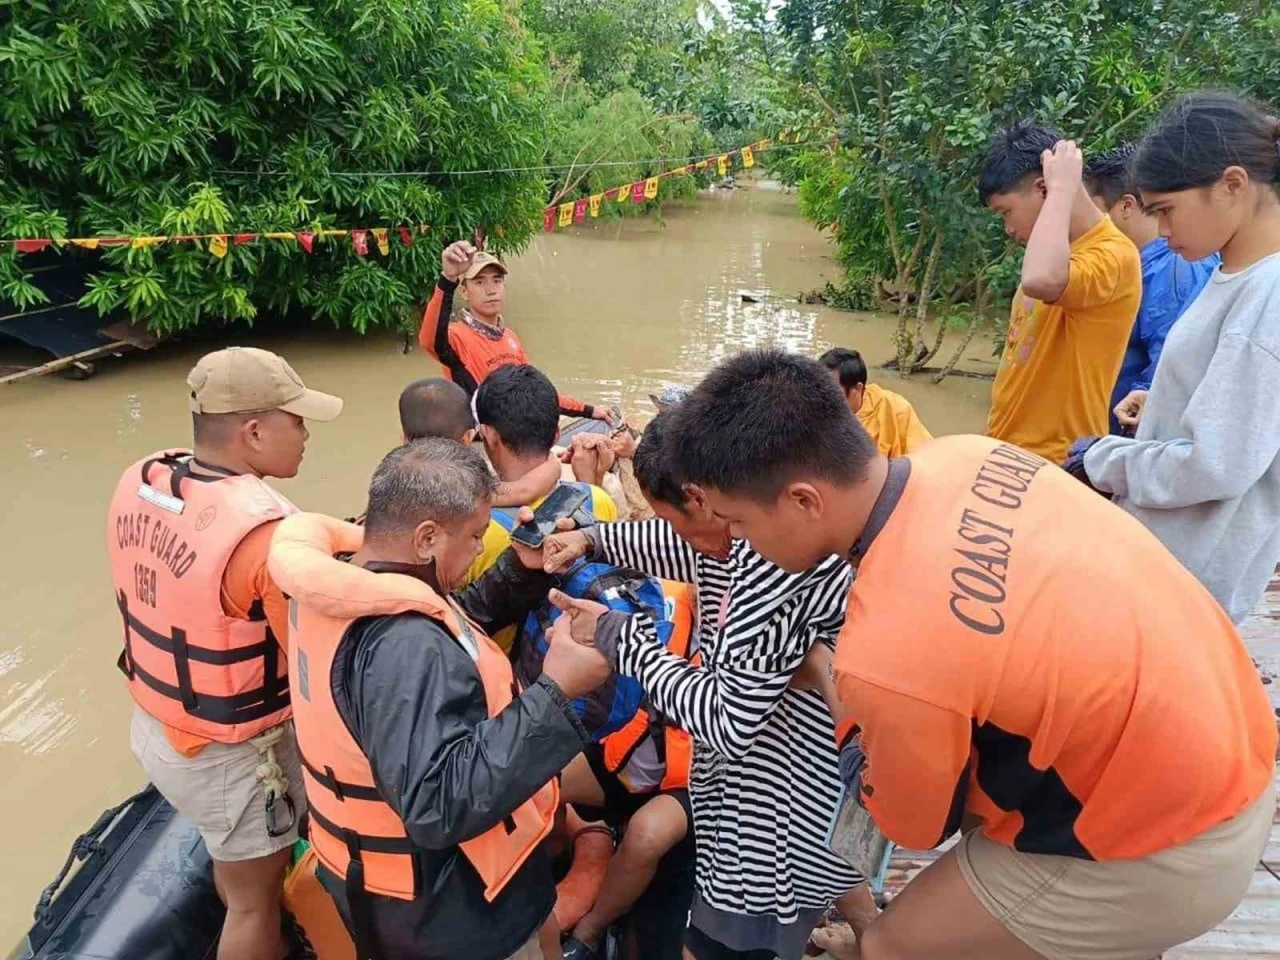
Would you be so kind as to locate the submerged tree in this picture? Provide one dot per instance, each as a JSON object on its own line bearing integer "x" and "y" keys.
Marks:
{"x": 147, "y": 117}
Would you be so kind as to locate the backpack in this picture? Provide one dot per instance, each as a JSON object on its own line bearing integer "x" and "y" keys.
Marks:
{"x": 610, "y": 706}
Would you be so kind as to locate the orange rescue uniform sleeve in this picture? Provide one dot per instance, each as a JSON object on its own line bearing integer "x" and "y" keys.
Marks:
{"x": 917, "y": 761}
{"x": 246, "y": 579}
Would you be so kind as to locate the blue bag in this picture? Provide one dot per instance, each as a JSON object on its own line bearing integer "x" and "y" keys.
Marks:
{"x": 610, "y": 706}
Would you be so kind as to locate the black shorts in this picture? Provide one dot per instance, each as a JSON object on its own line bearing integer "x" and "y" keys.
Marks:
{"x": 620, "y": 804}
{"x": 704, "y": 948}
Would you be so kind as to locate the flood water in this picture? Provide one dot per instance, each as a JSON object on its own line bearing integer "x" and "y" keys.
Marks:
{"x": 611, "y": 313}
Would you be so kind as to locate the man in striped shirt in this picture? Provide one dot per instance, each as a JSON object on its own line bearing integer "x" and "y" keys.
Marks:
{"x": 765, "y": 777}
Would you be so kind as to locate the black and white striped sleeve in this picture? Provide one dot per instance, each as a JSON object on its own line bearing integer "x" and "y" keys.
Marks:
{"x": 772, "y": 619}
{"x": 650, "y": 546}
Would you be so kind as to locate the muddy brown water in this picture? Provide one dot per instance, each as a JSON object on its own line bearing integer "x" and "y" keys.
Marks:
{"x": 610, "y": 312}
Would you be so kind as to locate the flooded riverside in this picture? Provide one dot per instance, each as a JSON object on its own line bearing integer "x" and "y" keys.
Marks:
{"x": 611, "y": 312}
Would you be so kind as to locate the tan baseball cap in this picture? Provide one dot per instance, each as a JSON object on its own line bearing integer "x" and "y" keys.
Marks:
{"x": 249, "y": 380}
{"x": 481, "y": 260}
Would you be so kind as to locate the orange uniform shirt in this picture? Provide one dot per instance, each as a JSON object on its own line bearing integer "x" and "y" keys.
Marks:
{"x": 1061, "y": 359}
{"x": 244, "y": 582}
{"x": 469, "y": 351}
{"x": 892, "y": 421}
{"x": 1012, "y": 634}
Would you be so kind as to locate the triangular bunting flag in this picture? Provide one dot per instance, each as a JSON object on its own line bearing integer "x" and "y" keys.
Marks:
{"x": 702, "y": 164}
{"x": 241, "y": 239}
{"x": 566, "y": 214}
{"x": 113, "y": 241}
{"x": 381, "y": 239}
{"x": 406, "y": 237}
{"x": 31, "y": 246}
{"x": 680, "y": 171}
{"x": 89, "y": 243}
{"x": 594, "y": 203}
{"x": 137, "y": 243}
{"x": 651, "y": 188}
{"x": 307, "y": 241}
{"x": 637, "y": 191}
{"x": 218, "y": 246}
{"x": 624, "y": 193}
{"x": 580, "y": 210}
{"x": 748, "y": 158}
{"x": 722, "y": 163}
{"x": 549, "y": 219}
{"x": 360, "y": 240}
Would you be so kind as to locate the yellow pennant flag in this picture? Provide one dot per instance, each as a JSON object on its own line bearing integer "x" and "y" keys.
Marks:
{"x": 89, "y": 243}
{"x": 651, "y": 188}
{"x": 748, "y": 158}
{"x": 380, "y": 238}
{"x": 624, "y": 193}
{"x": 764, "y": 144}
{"x": 566, "y": 214}
{"x": 722, "y": 162}
{"x": 682, "y": 171}
{"x": 137, "y": 243}
{"x": 218, "y": 245}
{"x": 594, "y": 203}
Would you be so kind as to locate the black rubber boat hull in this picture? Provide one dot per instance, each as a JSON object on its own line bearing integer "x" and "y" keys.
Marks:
{"x": 146, "y": 893}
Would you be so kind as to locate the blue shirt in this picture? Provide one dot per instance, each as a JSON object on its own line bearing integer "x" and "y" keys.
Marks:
{"x": 1169, "y": 285}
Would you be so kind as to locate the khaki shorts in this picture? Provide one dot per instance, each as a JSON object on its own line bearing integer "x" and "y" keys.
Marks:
{"x": 1065, "y": 908}
{"x": 218, "y": 789}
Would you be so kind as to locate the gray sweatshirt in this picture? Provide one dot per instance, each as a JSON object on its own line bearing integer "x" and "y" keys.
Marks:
{"x": 1203, "y": 472}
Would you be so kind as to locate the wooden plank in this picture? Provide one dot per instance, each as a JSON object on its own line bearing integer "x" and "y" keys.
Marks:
{"x": 62, "y": 363}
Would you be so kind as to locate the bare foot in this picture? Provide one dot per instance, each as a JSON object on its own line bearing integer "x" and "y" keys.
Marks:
{"x": 839, "y": 940}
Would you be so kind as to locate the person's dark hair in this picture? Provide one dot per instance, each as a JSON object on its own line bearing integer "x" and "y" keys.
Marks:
{"x": 763, "y": 419}
{"x": 435, "y": 407}
{"x": 654, "y": 465}
{"x": 430, "y": 479}
{"x": 848, "y": 366}
{"x": 1107, "y": 174}
{"x": 1014, "y": 156}
{"x": 522, "y": 405}
{"x": 1202, "y": 134}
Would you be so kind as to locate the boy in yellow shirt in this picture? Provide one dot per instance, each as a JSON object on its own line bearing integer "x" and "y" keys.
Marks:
{"x": 889, "y": 417}
{"x": 518, "y": 417}
{"x": 1080, "y": 291}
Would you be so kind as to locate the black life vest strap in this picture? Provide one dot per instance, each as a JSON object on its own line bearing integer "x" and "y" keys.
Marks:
{"x": 363, "y": 841}
{"x": 340, "y": 788}
{"x": 218, "y": 658}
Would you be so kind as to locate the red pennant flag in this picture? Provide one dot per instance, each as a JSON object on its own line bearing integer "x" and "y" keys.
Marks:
{"x": 549, "y": 219}
{"x": 31, "y": 246}
{"x": 406, "y": 237}
{"x": 580, "y": 210}
{"x": 637, "y": 192}
{"x": 360, "y": 240}
{"x": 240, "y": 239}
{"x": 307, "y": 241}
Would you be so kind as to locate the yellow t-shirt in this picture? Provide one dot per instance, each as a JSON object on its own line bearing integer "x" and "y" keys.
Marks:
{"x": 891, "y": 420}
{"x": 497, "y": 539}
{"x": 1061, "y": 359}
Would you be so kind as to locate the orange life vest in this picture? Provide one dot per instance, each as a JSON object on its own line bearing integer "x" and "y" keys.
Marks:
{"x": 355, "y": 833}
{"x": 169, "y": 538}
{"x": 674, "y": 746}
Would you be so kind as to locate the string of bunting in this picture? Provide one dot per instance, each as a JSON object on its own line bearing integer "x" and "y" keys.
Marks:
{"x": 638, "y": 191}
{"x": 220, "y": 243}
{"x": 564, "y": 214}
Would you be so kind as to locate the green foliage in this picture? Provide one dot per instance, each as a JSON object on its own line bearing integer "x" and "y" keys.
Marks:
{"x": 123, "y": 116}
{"x": 914, "y": 89}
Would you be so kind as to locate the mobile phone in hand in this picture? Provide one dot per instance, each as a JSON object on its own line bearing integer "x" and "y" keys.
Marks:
{"x": 564, "y": 501}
